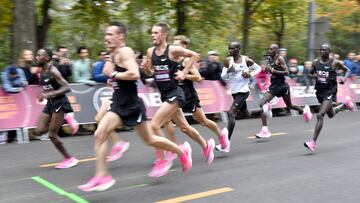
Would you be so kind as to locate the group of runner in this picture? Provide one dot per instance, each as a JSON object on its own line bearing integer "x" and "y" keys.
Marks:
{"x": 172, "y": 67}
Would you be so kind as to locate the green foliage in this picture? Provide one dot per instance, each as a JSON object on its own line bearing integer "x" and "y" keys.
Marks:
{"x": 210, "y": 25}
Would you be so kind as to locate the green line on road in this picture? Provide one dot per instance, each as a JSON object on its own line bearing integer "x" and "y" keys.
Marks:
{"x": 58, "y": 190}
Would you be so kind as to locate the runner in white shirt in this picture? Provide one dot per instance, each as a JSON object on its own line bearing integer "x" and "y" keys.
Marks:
{"x": 238, "y": 70}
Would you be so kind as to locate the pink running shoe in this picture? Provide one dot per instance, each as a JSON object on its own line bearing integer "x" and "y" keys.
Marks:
{"x": 264, "y": 133}
{"x": 160, "y": 168}
{"x": 307, "y": 114}
{"x": 185, "y": 158}
{"x": 208, "y": 152}
{"x": 349, "y": 104}
{"x": 73, "y": 124}
{"x": 170, "y": 155}
{"x": 224, "y": 140}
{"x": 311, "y": 145}
{"x": 267, "y": 110}
{"x": 67, "y": 163}
{"x": 118, "y": 150}
{"x": 98, "y": 183}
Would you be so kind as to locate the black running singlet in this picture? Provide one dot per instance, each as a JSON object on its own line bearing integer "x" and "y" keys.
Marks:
{"x": 49, "y": 83}
{"x": 125, "y": 91}
{"x": 276, "y": 79}
{"x": 326, "y": 75}
{"x": 165, "y": 70}
{"x": 187, "y": 86}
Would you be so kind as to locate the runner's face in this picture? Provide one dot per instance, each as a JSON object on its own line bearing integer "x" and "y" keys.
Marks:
{"x": 41, "y": 57}
{"x": 324, "y": 51}
{"x": 272, "y": 50}
{"x": 157, "y": 35}
{"x": 112, "y": 38}
{"x": 233, "y": 50}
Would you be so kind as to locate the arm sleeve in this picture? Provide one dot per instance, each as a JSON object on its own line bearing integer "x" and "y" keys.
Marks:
{"x": 257, "y": 69}
{"x": 6, "y": 83}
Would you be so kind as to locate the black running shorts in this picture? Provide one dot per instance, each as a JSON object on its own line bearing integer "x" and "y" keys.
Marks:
{"x": 130, "y": 115}
{"x": 279, "y": 90}
{"x": 55, "y": 105}
{"x": 173, "y": 95}
{"x": 240, "y": 100}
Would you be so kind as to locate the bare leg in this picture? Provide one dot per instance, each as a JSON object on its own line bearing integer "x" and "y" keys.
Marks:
{"x": 150, "y": 139}
{"x": 325, "y": 107}
{"x": 287, "y": 100}
{"x": 106, "y": 126}
{"x": 184, "y": 126}
{"x": 200, "y": 117}
{"x": 170, "y": 130}
{"x": 56, "y": 121}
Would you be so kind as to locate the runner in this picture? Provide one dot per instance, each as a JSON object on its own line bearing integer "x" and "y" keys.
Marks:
{"x": 119, "y": 146}
{"x": 54, "y": 89}
{"x": 279, "y": 88}
{"x": 163, "y": 63}
{"x": 324, "y": 71}
{"x": 192, "y": 102}
{"x": 127, "y": 109}
{"x": 237, "y": 71}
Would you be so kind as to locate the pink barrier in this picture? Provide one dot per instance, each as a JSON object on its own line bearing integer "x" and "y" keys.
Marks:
{"x": 21, "y": 110}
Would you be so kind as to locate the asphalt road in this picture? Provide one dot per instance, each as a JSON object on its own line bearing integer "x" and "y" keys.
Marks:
{"x": 276, "y": 170}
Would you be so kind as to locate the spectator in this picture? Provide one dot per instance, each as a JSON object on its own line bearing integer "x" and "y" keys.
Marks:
{"x": 98, "y": 66}
{"x": 213, "y": 69}
{"x": 62, "y": 62}
{"x": 306, "y": 79}
{"x": 357, "y": 65}
{"x": 81, "y": 67}
{"x": 262, "y": 79}
{"x": 295, "y": 70}
{"x": 336, "y": 56}
{"x": 13, "y": 79}
{"x": 283, "y": 53}
{"x": 26, "y": 63}
{"x": 349, "y": 62}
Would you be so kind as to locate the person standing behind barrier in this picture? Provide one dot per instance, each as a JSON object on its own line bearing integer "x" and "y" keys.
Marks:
{"x": 163, "y": 63}
{"x": 237, "y": 73}
{"x": 279, "y": 88}
{"x": 213, "y": 68}
{"x": 26, "y": 63}
{"x": 13, "y": 79}
{"x": 81, "y": 67}
{"x": 192, "y": 101}
{"x": 63, "y": 63}
{"x": 50, "y": 120}
{"x": 127, "y": 109}
{"x": 324, "y": 71}
{"x": 97, "y": 74}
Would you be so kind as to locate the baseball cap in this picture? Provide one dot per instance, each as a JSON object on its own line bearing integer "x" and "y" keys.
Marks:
{"x": 213, "y": 53}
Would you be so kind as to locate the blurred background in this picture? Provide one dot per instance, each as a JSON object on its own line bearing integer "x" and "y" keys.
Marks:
{"x": 297, "y": 25}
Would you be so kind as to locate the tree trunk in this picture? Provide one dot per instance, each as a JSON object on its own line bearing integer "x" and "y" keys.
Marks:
{"x": 280, "y": 33}
{"x": 246, "y": 25}
{"x": 181, "y": 18}
{"x": 23, "y": 28}
{"x": 41, "y": 29}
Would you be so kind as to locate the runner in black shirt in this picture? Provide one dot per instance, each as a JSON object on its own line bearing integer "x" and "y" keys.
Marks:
{"x": 324, "y": 71}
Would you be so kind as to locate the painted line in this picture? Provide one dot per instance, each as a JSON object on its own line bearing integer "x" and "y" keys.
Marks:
{"x": 272, "y": 134}
{"x": 197, "y": 195}
{"x": 58, "y": 190}
{"x": 54, "y": 164}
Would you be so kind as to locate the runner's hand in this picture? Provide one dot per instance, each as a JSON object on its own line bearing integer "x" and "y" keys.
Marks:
{"x": 180, "y": 75}
{"x": 108, "y": 68}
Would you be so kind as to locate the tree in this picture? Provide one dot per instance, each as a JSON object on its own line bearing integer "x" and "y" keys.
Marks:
{"x": 23, "y": 28}
{"x": 43, "y": 24}
{"x": 250, "y": 7}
